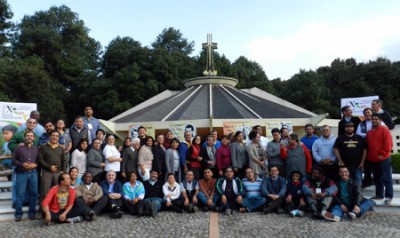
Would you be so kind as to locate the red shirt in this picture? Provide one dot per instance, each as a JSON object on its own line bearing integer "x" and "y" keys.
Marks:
{"x": 380, "y": 143}
{"x": 51, "y": 199}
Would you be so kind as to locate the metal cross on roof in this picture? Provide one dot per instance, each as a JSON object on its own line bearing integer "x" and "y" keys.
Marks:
{"x": 209, "y": 46}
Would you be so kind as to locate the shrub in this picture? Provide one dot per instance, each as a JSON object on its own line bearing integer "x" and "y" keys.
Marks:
{"x": 396, "y": 163}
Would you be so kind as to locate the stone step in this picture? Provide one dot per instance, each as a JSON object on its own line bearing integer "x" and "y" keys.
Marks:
{"x": 396, "y": 188}
{"x": 5, "y": 196}
{"x": 4, "y": 185}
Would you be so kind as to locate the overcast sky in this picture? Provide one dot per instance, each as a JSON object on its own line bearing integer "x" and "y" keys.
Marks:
{"x": 282, "y": 36}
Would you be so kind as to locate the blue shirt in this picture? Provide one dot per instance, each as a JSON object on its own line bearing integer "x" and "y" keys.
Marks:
{"x": 216, "y": 145}
{"x": 309, "y": 141}
{"x": 44, "y": 138}
{"x": 252, "y": 189}
{"x": 92, "y": 124}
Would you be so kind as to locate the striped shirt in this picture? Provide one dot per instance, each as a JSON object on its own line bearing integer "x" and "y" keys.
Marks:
{"x": 252, "y": 189}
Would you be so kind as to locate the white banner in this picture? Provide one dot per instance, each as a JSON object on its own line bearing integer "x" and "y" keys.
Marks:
{"x": 358, "y": 104}
{"x": 16, "y": 112}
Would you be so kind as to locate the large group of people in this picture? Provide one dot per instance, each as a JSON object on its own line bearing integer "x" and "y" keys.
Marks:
{"x": 317, "y": 175}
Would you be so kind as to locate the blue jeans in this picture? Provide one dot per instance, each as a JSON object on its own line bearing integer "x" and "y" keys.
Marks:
{"x": 383, "y": 178}
{"x": 26, "y": 182}
{"x": 203, "y": 199}
{"x": 356, "y": 174}
{"x": 155, "y": 200}
{"x": 252, "y": 204}
{"x": 365, "y": 205}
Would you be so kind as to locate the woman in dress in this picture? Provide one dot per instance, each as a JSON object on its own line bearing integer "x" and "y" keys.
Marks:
{"x": 257, "y": 156}
{"x": 146, "y": 158}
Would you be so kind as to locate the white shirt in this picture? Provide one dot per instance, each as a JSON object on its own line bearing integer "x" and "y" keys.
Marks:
{"x": 112, "y": 151}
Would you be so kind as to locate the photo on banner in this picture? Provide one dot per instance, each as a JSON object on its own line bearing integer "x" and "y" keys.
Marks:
{"x": 180, "y": 128}
{"x": 133, "y": 130}
{"x": 277, "y": 124}
{"x": 244, "y": 126}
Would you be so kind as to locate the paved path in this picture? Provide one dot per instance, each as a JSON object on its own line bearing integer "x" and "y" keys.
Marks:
{"x": 168, "y": 224}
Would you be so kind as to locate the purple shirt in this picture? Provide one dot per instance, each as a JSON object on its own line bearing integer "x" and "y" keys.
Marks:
{"x": 23, "y": 154}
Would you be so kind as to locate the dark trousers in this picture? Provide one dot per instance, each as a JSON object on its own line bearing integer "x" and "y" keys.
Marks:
{"x": 367, "y": 172}
{"x": 176, "y": 205}
{"x": 113, "y": 203}
{"x": 383, "y": 178}
{"x": 274, "y": 204}
{"x": 294, "y": 205}
{"x": 331, "y": 171}
{"x": 134, "y": 209}
{"x": 96, "y": 206}
{"x": 75, "y": 211}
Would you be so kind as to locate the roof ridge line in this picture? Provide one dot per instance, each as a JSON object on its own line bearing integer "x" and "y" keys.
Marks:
{"x": 180, "y": 104}
{"x": 245, "y": 94}
{"x": 239, "y": 101}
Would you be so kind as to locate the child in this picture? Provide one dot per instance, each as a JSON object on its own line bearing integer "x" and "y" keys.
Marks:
{"x": 295, "y": 200}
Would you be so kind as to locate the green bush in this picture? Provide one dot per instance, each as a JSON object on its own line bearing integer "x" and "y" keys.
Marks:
{"x": 396, "y": 163}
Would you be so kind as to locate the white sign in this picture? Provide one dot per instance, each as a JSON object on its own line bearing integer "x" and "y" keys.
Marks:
{"x": 16, "y": 112}
{"x": 358, "y": 104}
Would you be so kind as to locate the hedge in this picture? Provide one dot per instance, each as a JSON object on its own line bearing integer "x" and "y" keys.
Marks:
{"x": 396, "y": 163}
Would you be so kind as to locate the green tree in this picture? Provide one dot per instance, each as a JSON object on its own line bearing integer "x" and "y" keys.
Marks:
{"x": 5, "y": 24}
{"x": 70, "y": 57}
{"x": 307, "y": 89}
{"x": 250, "y": 74}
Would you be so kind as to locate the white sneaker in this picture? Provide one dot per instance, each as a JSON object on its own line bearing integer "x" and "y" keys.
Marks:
{"x": 73, "y": 220}
{"x": 329, "y": 216}
{"x": 351, "y": 215}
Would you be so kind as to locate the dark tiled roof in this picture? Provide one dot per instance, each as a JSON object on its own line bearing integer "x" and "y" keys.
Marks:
{"x": 227, "y": 104}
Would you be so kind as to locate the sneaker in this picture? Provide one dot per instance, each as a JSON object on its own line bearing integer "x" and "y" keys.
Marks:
{"x": 228, "y": 212}
{"x": 73, "y": 220}
{"x": 18, "y": 219}
{"x": 329, "y": 216}
{"x": 195, "y": 209}
{"x": 293, "y": 213}
{"x": 119, "y": 214}
{"x": 388, "y": 201}
{"x": 376, "y": 198}
{"x": 92, "y": 216}
{"x": 300, "y": 213}
{"x": 351, "y": 215}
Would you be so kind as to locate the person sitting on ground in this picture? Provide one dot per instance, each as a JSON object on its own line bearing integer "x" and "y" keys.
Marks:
{"x": 58, "y": 204}
{"x": 172, "y": 190}
{"x": 295, "y": 200}
{"x": 319, "y": 191}
{"x": 349, "y": 199}
{"x": 189, "y": 191}
{"x": 253, "y": 200}
{"x": 73, "y": 174}
{"x": 274, "y": 189}
{"x": 153, "y": 194}
{"x": 230, "y": 191}
{"x": 112, "y": 189}
{"x": 133, "y": 195}
{"x": 89, "y": 197}
{"x": 206, "y": 195}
